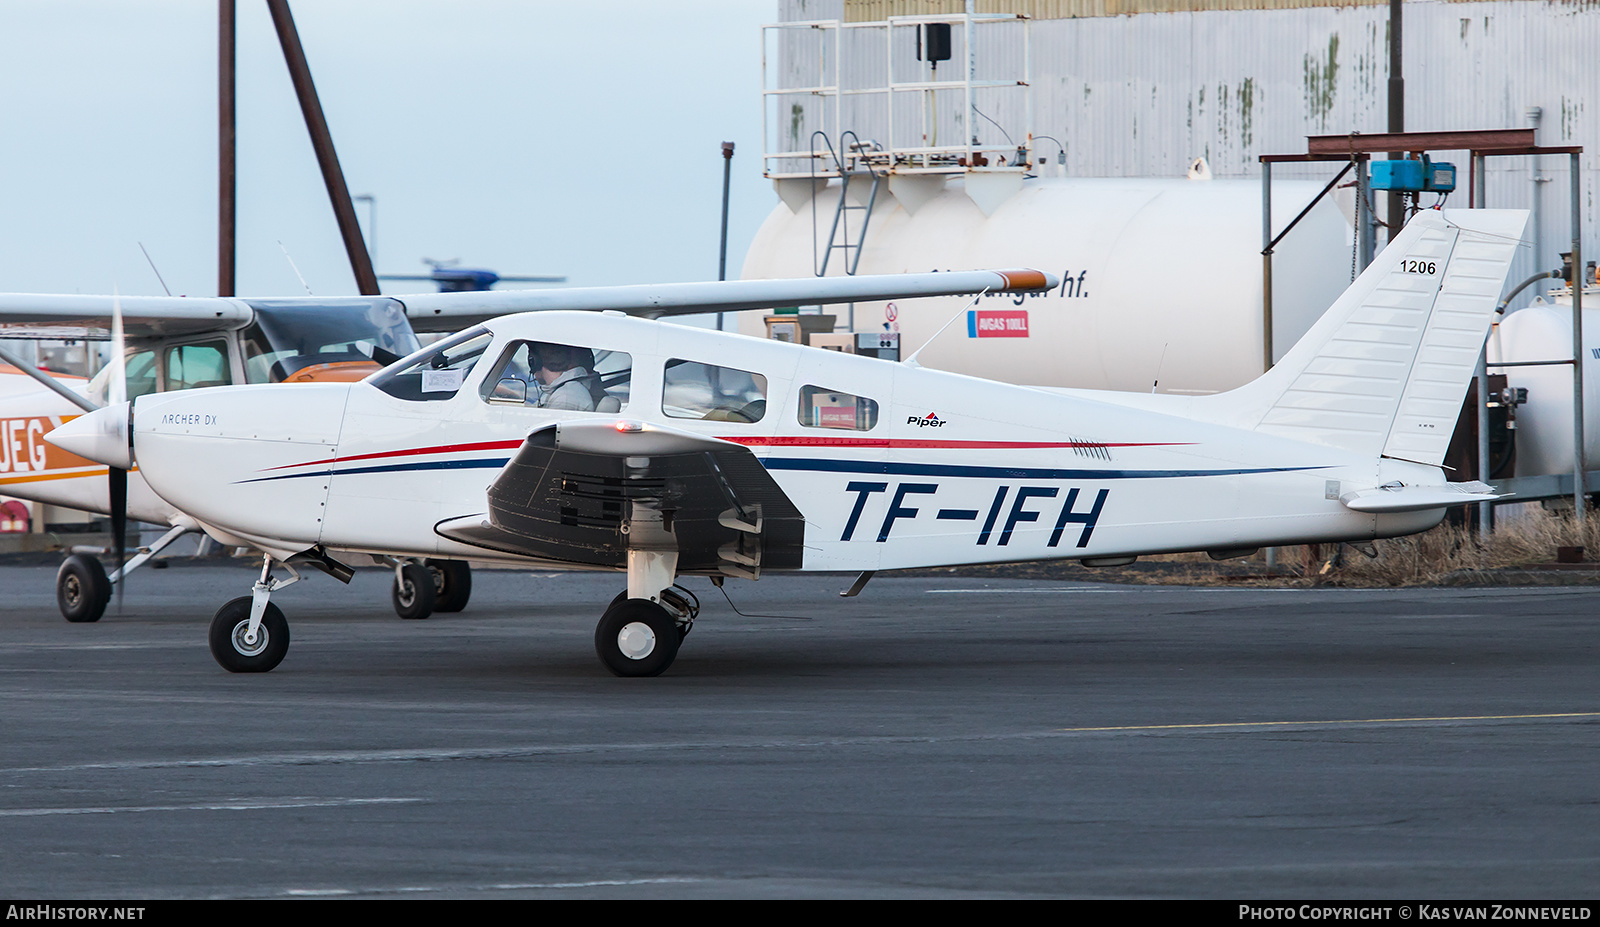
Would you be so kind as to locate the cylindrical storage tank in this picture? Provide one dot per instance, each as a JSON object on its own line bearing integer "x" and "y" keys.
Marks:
{"x": 1543, "y": 331}
{"x": 1161, "y": 279}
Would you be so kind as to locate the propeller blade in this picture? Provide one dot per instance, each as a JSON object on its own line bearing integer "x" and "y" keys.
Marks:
{"x": 117, "y": 388}
{"x": 119, "y": 523}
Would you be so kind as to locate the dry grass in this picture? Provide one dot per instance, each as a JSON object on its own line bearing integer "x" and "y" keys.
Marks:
{"x": 1446, "y": 555}
{"x": 1524, "y": 539}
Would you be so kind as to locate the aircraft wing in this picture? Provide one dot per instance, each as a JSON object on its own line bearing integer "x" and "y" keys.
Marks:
{"x": 453, "y": 311}
{"x": 47, "y": 315}
{"x": 587, "y": 492}
{"x": 50, "y": 315}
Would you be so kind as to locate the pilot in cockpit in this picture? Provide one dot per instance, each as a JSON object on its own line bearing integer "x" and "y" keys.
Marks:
{"x": 562, "y": 379}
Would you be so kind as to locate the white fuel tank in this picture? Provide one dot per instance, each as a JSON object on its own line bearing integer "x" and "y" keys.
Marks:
{"x": 1543, "y": 331}
{"x": 1161, "y": 279}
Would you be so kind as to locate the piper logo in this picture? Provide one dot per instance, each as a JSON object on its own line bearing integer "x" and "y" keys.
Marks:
{"x": 931, "y": 420}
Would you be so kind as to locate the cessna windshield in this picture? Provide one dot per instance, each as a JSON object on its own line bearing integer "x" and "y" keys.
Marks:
{"x": 296, "y": 340}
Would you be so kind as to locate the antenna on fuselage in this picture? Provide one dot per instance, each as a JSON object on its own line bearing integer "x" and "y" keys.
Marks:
{"x": 912, "y": 360}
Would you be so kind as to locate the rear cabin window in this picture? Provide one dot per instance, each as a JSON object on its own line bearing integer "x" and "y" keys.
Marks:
{"x": 439, "y": 372}
{"x": 691, "y": 389}
{"x": 548, "y": 375}
{"x": 830, "y": 408}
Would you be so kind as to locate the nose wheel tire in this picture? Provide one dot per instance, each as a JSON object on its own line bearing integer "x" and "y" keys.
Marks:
{"x": 637, "y": 637}
{"x": 415, "y": 594}
{"x": 232, "y": 645}
{"x": 452, "y": 583}
{"x": 82, "y": 589}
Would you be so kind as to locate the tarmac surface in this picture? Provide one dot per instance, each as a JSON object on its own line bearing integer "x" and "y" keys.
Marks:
{"x": 935, "y": 737}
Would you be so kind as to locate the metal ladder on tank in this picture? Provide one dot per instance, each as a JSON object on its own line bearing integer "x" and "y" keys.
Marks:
{"x": 852, "y": 251}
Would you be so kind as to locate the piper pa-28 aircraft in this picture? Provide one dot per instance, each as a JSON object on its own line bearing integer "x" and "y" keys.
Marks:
{"x": 182, "y": 343}
{"x": 689, "y": 452}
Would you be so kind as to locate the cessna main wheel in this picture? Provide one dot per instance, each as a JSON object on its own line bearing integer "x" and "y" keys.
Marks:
{"x": 82, "y": 589}
{"x": 231, "y": 643}
{"x": 452, "y": 584}
{"x": 637, "y": 637}
{"x": 414, "y": 592}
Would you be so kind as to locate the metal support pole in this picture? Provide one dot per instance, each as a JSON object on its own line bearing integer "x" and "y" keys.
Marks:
{"x": 1366, "y": 229}
{"x": 1485, "y": 509}
{"x": 722, "y": 258}
{"x": 1266, "y": 266}
{"x": 227, "y": 139}
{"x": 322, "y": 142}
{"x": 1397, "y": 112}
{"x": 1579, "y": 464}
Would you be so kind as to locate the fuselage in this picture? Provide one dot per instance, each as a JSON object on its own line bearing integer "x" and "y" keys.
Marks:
{"x": 892, "y": 466}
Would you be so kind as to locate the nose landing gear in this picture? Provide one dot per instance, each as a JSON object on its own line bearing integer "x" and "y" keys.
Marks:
{"x": 249, "y": 634}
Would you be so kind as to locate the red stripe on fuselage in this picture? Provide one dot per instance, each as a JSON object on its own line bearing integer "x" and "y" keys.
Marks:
{"x": 809, "y": 441}
{"x": 412, "y": 452}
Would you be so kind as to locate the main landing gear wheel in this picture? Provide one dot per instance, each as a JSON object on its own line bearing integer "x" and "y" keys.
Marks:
{"x": 452, "y": 584}
{"x": 414, "y": 592}
{"x": 82, "y": 589}
{"x": 231, "y": 645}
{"x": 637, "y": 637}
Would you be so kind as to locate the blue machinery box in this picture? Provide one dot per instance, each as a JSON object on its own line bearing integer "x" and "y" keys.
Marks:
{"x": 1414, "y": 176}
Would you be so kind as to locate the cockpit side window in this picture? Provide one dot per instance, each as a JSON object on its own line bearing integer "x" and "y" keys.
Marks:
{"x": 436, "y": 373}
{"x": 191, "y": 366}
{"x": 705, "y": 391}
{"x": 828, "y": 408}
{"x": 551, "y": 375}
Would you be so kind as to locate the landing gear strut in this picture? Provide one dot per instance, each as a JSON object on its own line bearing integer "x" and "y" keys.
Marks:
{"x": 83, "y": 588}
{"x": 249, "y": 634}
{"x": 640, "y": 632}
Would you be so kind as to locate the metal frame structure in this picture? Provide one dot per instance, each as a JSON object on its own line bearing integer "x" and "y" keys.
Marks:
{"x": 891, "y": 156}
{"x": 1358, "y": 149}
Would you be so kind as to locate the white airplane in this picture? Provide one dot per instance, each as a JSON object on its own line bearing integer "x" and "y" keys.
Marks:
{"x": 703, "y": 453}
{"x": 182, "y": 343}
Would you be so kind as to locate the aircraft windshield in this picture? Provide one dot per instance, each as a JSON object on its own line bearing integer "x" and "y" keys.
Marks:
{"x": 287, "y": 337}
{"x": 439, "y": 372}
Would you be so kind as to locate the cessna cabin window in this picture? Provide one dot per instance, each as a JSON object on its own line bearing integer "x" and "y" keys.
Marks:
{"x": 141, "y": 372}
{"x": 561, "y": 377}
{"x": 438, "y": 372}
{"x": 825, "y": 408}
{"x": 191, "y": 366}
{"x": 719, "y": 394}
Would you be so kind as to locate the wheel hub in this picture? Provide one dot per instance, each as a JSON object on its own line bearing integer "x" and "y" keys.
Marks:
{"x": 73, "y": 591}
{"x": 243, "y": 643}
{"x": 636, "y": 640}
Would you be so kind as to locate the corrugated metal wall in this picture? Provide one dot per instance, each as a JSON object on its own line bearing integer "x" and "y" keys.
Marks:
{"x": 859, "y": 11}
{"x": 1141, "y": 95}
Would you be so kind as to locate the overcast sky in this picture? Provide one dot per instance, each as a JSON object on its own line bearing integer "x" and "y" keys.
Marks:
{"x": 576, "y": 138}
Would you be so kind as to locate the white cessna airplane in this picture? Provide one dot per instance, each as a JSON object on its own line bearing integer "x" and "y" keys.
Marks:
{"x": 687, "y": 452}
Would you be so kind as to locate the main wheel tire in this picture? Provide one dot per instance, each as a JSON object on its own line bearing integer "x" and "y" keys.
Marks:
{"x": 414, "y": 593}
{"x": 637, "y": 637}
{"x": 82, "y": 589}
{"x": 237, "y": 655}
{"x": 452, "y": 584}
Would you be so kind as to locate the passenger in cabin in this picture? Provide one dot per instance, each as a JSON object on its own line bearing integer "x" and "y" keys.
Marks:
{"x": 562, "y": 377}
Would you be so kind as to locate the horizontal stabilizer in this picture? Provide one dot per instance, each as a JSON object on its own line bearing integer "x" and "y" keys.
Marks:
{"x": 1399, "y": 497}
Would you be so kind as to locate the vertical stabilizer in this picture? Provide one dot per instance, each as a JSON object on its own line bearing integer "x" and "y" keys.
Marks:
{"x": 1383, "y": 372}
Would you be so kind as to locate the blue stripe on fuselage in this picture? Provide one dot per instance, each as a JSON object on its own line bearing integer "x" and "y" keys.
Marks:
{"x": 476, "y": 464}
{"x": 1003, "y": 473}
